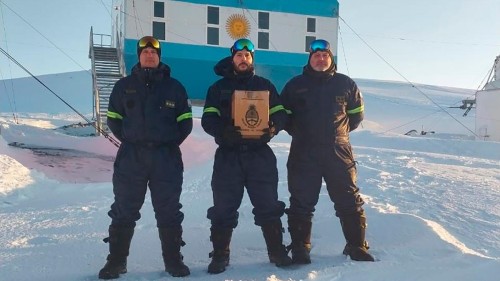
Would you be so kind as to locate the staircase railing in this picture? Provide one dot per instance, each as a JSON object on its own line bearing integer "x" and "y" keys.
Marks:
{"x": 119, "y": 45}
{"x": 98, "y": 40}
{"x": 95, "y": 90}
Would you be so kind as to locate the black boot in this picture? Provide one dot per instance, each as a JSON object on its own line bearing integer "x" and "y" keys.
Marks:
{"x": 221, "y": 238}
{"x": 273, "y": 234}
{"x": 354, "y": 227}
{"x": 300, "y": 232}
{"x": 171, "y": 243}
{"x": 119, "y": 243}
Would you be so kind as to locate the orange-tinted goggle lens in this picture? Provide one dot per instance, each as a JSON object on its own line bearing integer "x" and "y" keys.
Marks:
{"x": 149, "y": 40}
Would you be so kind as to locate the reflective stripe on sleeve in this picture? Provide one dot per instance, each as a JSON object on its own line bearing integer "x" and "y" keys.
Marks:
{"x": 211, "y": 110}
{"x": 187, "y": 115}
{"x": 114, "y": 115}
{"x": 356, "y": 110}
{"x": 276, "y": 109}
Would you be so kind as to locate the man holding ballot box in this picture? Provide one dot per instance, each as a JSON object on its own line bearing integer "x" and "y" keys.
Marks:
{"x": 242, "y": 112}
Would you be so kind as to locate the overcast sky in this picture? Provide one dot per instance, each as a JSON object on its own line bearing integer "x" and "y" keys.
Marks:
{"x": 446, "y": 42}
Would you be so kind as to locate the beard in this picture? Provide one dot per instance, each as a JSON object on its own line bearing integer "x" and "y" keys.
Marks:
{"x": 249, "y": 68}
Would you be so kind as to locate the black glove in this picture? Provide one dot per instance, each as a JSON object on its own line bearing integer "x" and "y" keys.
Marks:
{"x": 269, "y": 133}
{"x": 231, "y": 135}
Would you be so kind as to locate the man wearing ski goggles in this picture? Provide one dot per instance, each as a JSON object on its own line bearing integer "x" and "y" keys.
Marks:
{"x": 242, "y": 53}
{"x": 320, "y": 150}
{"x": 241, "y": 162}
{"x": 320, "y": 56}
{"x": 149, "y": 112}
{"x": 149, "y": 52}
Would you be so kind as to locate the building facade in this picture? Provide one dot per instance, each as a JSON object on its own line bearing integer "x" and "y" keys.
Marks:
{"x": 196, "y": 34}
{"x": 487, "y": 102}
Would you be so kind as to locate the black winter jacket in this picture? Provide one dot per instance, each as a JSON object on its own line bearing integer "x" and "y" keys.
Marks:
{"x": 149, "y": 106}
{"x": 323, "y": 107}
{"x": 217, "y": 110}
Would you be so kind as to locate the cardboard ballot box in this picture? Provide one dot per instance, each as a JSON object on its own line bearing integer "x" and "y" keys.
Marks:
{"x": 250, "y": 110}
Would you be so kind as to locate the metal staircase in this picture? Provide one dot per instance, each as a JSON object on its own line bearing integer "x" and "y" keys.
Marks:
{"x": 106, "y": 70}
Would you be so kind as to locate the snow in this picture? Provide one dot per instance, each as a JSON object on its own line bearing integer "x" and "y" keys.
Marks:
{"x": 433, "y": 201}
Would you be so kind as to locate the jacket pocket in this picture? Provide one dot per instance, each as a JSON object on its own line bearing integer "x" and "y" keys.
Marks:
{"x": 344, "y": 152}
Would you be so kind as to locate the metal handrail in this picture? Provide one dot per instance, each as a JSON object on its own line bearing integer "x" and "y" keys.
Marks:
{"x": 121, "y": 61}
{"x": 95, "y": 91}
{"x": 103, "y": 38}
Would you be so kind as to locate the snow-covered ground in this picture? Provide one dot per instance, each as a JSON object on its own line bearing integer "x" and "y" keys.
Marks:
{"x": 433, "y": 201}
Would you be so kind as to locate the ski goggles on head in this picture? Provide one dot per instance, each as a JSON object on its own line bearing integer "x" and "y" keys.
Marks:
{"x": 319, "y": 45}
{"x": 241, "y": 44}
{"x": 149, "y": 41}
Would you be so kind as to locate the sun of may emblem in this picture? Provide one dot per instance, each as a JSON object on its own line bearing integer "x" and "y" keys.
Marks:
{"x": 237, "y": 26}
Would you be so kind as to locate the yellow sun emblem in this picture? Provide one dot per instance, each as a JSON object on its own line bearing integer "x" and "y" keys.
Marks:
{"x": 237, "y": 26}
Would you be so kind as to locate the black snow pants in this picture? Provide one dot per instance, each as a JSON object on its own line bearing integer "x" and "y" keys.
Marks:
{"x": 253, "y": 167}
{"x": 138, "y": 166}
{"x": 308, "y": 165}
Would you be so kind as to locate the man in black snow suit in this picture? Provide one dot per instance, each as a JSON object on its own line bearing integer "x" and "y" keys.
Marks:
{"x": 241, "y": 162}
{"x": 323, "y": 106}
{"x": 149, "y": 112}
